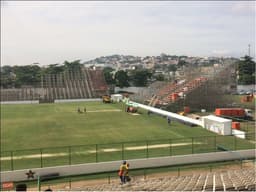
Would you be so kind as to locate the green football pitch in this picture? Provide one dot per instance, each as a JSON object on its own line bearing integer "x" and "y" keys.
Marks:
{"x": 53, "y": 125}
{"x": 43, "y": 135}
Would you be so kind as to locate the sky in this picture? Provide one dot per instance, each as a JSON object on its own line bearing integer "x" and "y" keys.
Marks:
{"x": 50, "y": 32}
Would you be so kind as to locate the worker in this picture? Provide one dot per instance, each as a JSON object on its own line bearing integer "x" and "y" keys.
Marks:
{"x": 126, "y": 174}
{"x": 122, "y": 171}
{"x": 169, "y": 120}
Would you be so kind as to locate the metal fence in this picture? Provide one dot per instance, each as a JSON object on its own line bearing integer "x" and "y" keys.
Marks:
{"x": 71, "y": 155}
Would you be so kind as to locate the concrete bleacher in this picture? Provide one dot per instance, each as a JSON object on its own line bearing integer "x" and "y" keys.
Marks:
{"x": 148, "y": 92}
{"x": 166, "y": 94}
{"x": 228, "y": 180}
{"x": 186, "y": 88}
{"x": 98, "y": 82}
{"x": 85, "y": 83}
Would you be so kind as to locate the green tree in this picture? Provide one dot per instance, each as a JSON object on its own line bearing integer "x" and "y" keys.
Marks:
{"x": 7, "y": 77}
{"x": 159, "y": 77}
{"x": 122, "y": 79}
{"x": 140, "y": 77}
{"x": 53, "y": 69}
{"x": 27, "y": 75}
{"x": 107, "y": 71}
{"x": 246, "y": 71}
{"x": 181, "y": 63}
{"x": 73, "y": 65}
{"x": 172, "y": 68}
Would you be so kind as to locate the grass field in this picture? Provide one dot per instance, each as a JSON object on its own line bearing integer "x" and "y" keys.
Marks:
{"x": 38, "y": 135}
{"x": 52, "y": 125}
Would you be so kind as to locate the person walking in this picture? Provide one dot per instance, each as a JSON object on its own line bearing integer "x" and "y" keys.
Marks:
{"x": 126, "y": 174}
{"x": 122, "y": 171}
{"x": 169, "y": 120}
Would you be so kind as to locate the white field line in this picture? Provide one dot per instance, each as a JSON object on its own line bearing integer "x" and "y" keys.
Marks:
{"x": 103, "y": 150}
{"x": 104, "y": 110}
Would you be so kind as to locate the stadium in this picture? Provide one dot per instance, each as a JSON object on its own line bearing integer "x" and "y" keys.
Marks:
{"x": 64, "y": 134}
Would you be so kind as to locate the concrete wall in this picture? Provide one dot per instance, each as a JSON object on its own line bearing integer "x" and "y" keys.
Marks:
{"x": 21, "y": 102}
{"x": 168, "y": 114}
{"x": 129, "y": 89}
{"x": 20, "y": 175}
{"x": 246, "y": 87}
{"x": 75, "y": 100}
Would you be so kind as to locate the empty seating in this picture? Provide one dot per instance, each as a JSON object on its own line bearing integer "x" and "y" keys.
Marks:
{"x": 230, "y": 180}
{"x": 84, "y": 83}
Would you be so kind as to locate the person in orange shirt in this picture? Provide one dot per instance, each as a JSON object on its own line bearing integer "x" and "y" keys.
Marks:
{"x": 122, "y": 171}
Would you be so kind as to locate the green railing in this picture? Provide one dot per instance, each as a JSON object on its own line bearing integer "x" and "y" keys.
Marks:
{"x": 71, "y": 155}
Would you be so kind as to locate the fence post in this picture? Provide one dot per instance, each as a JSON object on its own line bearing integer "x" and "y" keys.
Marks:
{"x": 192, "y": 141}
{"x": 178, "y": 171}
{"x": 108, "y": 179}
{"x": 12, "y": 160}
{"x": 234, "y": 143}
{"x": 122, "y": 151}
{"x": 170, "y": 147}
{"x": 41, "y": 153}
{"x": 147, "y": 149}
{"x": 96, "y": 152}
{"x": 215, "y": 147}
{"x": 69, "y": 152}
{"x": 144, "y": 172}
{"x": 38, "y": 183}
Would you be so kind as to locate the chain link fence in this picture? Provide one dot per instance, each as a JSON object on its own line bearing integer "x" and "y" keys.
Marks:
{"x": 71, "y": 155}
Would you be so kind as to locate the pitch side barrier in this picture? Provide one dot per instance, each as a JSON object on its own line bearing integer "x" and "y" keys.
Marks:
{"x": 91, "y": 168}
{"x": 20, "y": 102}
{"x": 169, "y": 114}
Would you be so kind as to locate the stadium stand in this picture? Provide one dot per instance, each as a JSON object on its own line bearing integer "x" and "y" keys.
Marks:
{"x": 172, "y": 92}
{"x": 235, "y": 180}
{"x": 84, "y": 83}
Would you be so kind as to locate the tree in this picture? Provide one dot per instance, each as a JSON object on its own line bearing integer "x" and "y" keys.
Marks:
{"x": 54, "y": 69}
{"x": 107, "y": 71}
{"x": 27, "y": 75}
{"x": 159, "y": 77}
{"x": 121, "y": 79}
{"x": 181, "y": 63}
{"x": 172, "y": 68}
{"x": 7, "y": 77}
{"x": 73, "y": 65}
{"x": 246, "y": 71}
{"x": 140, "y": 77}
